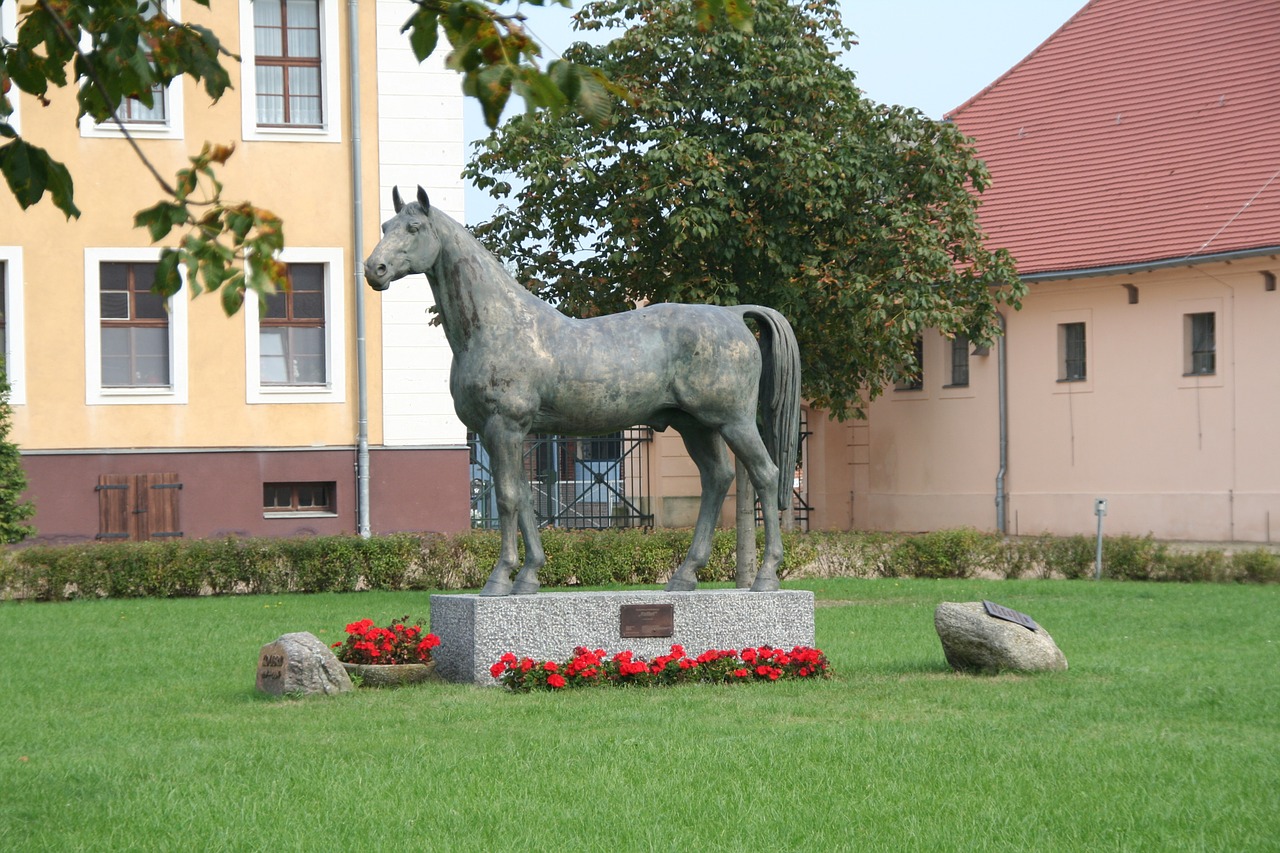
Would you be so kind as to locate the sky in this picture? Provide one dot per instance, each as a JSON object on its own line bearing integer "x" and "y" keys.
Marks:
{"x": 929, "y": 54}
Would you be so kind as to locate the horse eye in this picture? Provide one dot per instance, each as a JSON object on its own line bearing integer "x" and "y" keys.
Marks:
{"x": 413, "y": 228}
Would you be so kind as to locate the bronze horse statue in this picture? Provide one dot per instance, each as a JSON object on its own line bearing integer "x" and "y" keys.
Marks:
{"x": 521, "y": 366}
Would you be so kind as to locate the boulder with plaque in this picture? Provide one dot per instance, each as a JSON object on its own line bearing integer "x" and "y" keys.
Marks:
{"x": 300, "y": 664}
{"x": 982, "y": 636}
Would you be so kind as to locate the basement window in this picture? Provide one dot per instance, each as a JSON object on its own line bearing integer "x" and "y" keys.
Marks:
{"x": 299, "y": 499}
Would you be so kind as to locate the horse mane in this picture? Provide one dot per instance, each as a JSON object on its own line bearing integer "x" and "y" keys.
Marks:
{"x": 463, "y": 239}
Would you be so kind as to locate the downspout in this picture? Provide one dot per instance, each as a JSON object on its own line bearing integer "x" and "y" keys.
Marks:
{"x": 1002, "y": 384}
{"x": 357, "y": 216}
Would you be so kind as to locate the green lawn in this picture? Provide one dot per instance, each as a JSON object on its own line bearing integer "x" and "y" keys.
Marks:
{"x": 134, "y": 724}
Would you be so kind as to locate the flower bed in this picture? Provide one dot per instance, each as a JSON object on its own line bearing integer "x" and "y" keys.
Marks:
{"x": 398, "y": 643}
{"x": 588, "y": 668}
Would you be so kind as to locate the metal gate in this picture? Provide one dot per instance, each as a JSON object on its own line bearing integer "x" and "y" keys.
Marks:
{"x": 577, "y": 482}
{"x": 801, "y": 509}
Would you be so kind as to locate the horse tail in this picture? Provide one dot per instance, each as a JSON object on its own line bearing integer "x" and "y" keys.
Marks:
{"x": 779, "y": 393}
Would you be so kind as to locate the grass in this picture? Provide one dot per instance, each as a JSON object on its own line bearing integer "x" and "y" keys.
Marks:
{"x": 134, "y": 725}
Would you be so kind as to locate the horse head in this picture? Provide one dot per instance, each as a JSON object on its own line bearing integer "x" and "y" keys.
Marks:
{"x": 409, "y": 243}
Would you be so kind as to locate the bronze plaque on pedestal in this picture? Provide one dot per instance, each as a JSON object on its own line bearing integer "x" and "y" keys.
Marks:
{"x": 647, "y": 620}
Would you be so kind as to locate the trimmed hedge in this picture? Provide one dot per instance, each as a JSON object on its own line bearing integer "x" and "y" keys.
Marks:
{"x": 581, "y": 558}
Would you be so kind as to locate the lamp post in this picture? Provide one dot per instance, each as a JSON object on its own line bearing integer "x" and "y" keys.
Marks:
{"x": 1100, "y": 510}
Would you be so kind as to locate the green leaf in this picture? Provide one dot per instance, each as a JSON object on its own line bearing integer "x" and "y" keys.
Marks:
{"x": 492, "y": 88}
{"x": 30, "y": 171}
{"x": 168, "y": 281}
{"x": 160, "y": 219}
{"x": 593, "y": 99}
{"x": 232, "y": 298}
{"x": 424, "y": 32}
{"x": 61, "y": 188}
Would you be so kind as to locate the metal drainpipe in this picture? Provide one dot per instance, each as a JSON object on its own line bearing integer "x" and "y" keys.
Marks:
{"x": 357, "y": 215}
{"x": 1002, "y": 384}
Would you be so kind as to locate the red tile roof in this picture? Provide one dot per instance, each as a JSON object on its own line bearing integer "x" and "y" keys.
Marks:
{"x": 1141, "y": 131}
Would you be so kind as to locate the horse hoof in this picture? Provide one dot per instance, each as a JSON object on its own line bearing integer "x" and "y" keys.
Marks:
{"x": 766, "y": 585}
{"x": 525, "y": 586}
{"x": 496, "y": 587}
{"x": 678, "y": 584}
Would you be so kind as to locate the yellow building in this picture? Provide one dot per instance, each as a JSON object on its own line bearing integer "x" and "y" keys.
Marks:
{"x": 328, "y": 413}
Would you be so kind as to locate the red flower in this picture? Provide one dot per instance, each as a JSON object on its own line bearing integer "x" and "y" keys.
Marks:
{"x": 551, "y": 666}
{"x": 555, "y": 680}
{"x": 508, "y": 658}
{"x": 740, "y": 673}
{"x": 497, "y": 669}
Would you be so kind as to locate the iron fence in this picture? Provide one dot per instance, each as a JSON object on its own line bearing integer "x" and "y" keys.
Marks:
{"x": 577, "y": 482}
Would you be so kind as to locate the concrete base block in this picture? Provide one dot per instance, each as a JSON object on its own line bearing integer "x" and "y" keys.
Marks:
{"x": 476, "y": 630}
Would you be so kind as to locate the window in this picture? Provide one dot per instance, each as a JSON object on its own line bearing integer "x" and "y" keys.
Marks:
{"x": 299, "y": 498}
{"x": 959, "y": 362}
{"x": 135, "y": 327}
{"x": 291, "y": 331}
{"x": 163, "y": 119}
{"x": 913, "y": 381}
{"x": 294, "y": 343}
{"x": 4, "y": 311}
{"x": 286, "y": 44}
{"x": 135, "y": 340}
{"x": 289, "y": 69}
{"x": 1071, "y": 352}
{"x": 1199, "y": 344}
{"x": 134, "y": 111}
{"x": 11, "y": 337}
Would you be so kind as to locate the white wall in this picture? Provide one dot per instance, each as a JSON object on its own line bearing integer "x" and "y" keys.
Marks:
{"x": 420, "y": 143}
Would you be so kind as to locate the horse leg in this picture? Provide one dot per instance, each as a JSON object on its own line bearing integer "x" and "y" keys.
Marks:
{"x": 515, "y": 504}
{"x": 707, "y": 449}
{"x": 526, "y": 582}
{"x": 744, "y": 439}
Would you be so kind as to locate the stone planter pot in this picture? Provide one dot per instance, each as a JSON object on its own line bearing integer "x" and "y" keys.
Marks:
{"x": 390, "y": 675}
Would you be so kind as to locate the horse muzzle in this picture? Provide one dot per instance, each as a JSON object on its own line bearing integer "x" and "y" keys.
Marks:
{"x": 377, "y": 274}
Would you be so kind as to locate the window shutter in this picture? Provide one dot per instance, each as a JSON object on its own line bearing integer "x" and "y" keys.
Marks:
{"x": 114, "y": 506}
{"x": 138, "y": 506}
{"x": 159, "y": 495}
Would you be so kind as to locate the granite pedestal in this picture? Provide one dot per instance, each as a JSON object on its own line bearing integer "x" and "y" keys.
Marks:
{"x": 476, "y": 630}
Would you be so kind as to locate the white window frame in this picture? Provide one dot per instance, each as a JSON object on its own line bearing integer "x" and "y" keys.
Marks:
{"x": 904, "y": 390}
{"x": 335, "y": 362}
{"x": 173, "y": 125}
{"x": 330, "y": 83}
{"x": 15, "y": 358}
{"x": 1074, "y": 386}
{"x": 95, "y": 394}
{"x": 1221, "y": 342}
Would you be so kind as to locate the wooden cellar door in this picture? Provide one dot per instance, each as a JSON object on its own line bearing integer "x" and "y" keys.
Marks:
{"x": 138, "y": 507}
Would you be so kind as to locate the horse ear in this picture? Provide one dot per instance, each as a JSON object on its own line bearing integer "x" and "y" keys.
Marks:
{"x": 395, "y": 199}
{"x": 423, "y": 200}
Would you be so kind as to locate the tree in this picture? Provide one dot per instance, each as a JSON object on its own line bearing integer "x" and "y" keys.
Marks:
{"x": 123, "y": 49}
{"x": 751, "y": 169}
{"x": 14, "y": 511}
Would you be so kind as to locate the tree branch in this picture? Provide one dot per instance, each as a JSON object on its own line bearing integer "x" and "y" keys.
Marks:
{"x": 106, "y": 97}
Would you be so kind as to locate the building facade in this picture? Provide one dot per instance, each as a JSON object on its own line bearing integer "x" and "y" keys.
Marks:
{"x": 325, "y": 412}
{"x": 1132, "y": 183}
